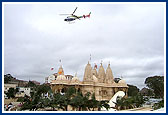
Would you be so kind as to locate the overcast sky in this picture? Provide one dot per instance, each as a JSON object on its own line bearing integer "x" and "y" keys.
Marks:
{"x": 129, "y": 36}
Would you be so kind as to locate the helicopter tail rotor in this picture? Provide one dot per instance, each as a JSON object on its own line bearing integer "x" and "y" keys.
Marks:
{"x": 87, "y": 15}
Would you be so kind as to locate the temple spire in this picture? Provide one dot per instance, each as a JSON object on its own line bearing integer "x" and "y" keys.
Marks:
{"x": 60, "y": 70}
{"x": 109, "y": 75}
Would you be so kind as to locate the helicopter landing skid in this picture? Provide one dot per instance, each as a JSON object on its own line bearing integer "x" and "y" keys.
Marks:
{"x": 71, "y": 22}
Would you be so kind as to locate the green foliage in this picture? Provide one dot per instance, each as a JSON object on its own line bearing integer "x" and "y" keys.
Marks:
{"x": 130, "y": 102}
{"x": 31, "y": 84}
{"x": 159, "y": 105}
{"x": 132, "y": 90}
{"x": 72, "y": 97}
{"x": 43, "y": 89}
{"x": 103, "y": 103}
{"x": 93, "y": 102}
{"x": 11, "y": 93}
{"x": 7, "y": 78}
{"x": 77, "y": 102}
{"x": 28, "y": 105}
{"x": 156, "y": 83}
{"x": 138, "y": 100}
{"x": 20, "y": 99}
{"x": 37, "y": 99}
{"x": 147, "y": 92}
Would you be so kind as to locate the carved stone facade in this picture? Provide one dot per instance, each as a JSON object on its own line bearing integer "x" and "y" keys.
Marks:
{"x": 101, "y": 83}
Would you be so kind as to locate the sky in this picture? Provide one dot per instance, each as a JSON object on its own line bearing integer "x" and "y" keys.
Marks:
{"x": 128, "y": 36}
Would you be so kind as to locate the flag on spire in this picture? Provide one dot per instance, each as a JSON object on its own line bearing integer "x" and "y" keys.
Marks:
{"x": 95, "y": 66}
{"x": 60, "y": 72}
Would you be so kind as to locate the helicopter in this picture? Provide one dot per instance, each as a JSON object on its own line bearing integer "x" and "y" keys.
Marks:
{"x": 73, "y": 17}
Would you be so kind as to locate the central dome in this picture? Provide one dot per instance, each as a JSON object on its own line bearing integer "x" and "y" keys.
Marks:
{"x": 61, "y": 77}
{"x": 75, "y": 79}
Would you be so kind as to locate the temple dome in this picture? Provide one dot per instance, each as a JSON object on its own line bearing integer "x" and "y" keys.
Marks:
{"x": 75, "y": 79}
{"x": 61, "y": 77}
{"x": 122, "y": 81}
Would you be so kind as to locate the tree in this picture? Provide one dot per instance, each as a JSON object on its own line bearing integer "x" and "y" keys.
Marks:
{"x": 7, "y": 78}
{"x": 147, "y": 92}
{"x": 61, "y": 101}
{"x": 156, "y": 83}
{"x": 103, "y": 103}
{"x": 93, "y": 102}
{"x": 42, "y": 89}
{"x": 31, "y": 84}
{"x": 37, "y": 99}
{"x": 11, "y": 93}
{"x": 138, "y": 100}
{"x": 71, "y": 97}
{"x": 132, "y": 90}
{"x": 130, "y": 102}
{"x": 77, "y": 102}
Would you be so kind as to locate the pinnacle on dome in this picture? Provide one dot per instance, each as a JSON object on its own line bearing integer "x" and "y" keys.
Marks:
{"x": 60, "y": 70}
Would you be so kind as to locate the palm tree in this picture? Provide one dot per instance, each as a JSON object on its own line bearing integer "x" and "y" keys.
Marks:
{"x": 77, "y": 101}
{"x": 103, "y": 103}
{"x": 93, "y": 103}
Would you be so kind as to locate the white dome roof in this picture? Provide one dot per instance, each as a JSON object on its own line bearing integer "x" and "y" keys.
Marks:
{"x": 61, "y": 77}
{"x": 75, "y": 79}
{"x": 95, "y": 79}
{"x": 122, "y": 81}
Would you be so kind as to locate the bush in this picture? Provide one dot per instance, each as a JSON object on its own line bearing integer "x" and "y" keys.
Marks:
{"x": 20, "y": 99}
{"x": 158, "y": 105}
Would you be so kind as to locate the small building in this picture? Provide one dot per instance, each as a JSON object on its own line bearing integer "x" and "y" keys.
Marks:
{"x": 23, "y": 91}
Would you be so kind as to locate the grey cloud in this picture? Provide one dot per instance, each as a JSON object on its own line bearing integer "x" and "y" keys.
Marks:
{"x": 130, "y": 36}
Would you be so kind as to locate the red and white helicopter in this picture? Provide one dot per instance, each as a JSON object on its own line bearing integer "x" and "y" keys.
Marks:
{"x": 73, "y": 17}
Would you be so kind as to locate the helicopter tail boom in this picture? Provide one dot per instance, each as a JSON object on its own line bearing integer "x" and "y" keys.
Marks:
{"x": 87, "y": 15}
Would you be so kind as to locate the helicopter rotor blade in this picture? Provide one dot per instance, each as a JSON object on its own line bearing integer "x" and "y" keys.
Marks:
{"x": 64, "y": 14}
{"x": 74, "y": 10}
